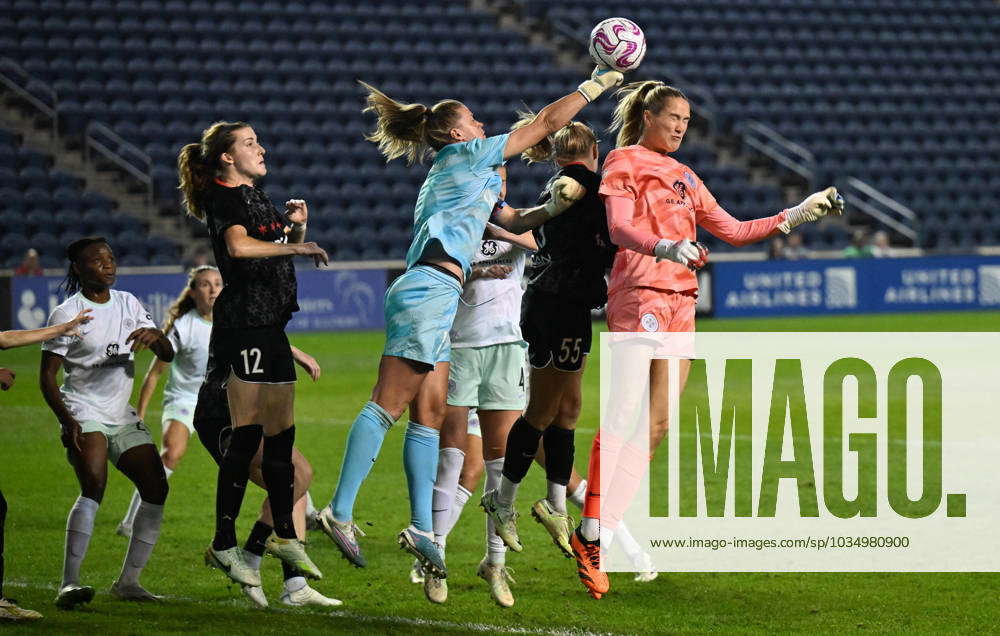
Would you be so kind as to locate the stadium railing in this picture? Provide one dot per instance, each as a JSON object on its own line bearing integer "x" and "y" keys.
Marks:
{"x": 32, "y": 92}
{"x": 894, "y": 215}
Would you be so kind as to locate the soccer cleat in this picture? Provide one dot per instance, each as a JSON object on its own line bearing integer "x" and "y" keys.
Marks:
{"x": 498, "y": 576}
{"x": 231, "y": 562}
{"x": 435, "y": 589}
{"x": 132, "y": 592}
{"x": 308, "y": 596}
{"x": 291, "y": 552}
{"x": 71, "y": 595}
{"x": 558, "y": 525}
{"x": 9, "y": 611}
{"x": 256, "y": 595}
{"x": 343, "y": 536}
{"x": 644, "y": 570}
{"x": 124, "y": 531}
{"x": 312, "y": 520}
{"x": 416, "y": 572}
{"x": 425, "y": 550}
{"x": 588, "y": 565}
{"x": 504, "y": 520}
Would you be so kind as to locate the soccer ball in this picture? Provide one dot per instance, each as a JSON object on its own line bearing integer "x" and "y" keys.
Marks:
{"x": 617, "y": 43}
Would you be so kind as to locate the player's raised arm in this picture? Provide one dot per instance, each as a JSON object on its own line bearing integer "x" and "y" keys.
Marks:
{"x": 560, "y": 112}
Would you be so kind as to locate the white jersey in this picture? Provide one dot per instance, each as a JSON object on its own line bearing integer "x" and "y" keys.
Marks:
{"x": 189, "y": 336}
{"x": 98, "y": 366}
{"x": 490, "y": 310}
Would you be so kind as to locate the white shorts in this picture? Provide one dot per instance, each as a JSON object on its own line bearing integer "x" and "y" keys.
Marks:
{"x": 182, "y": 412}
{"x": 119, "y": 438}
{"x": 490, "y": 378}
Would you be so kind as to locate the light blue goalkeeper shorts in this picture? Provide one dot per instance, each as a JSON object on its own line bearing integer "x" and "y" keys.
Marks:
{"x": 419, "y": 308}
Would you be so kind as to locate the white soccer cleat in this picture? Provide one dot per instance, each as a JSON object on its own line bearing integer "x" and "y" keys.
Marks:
{"x": 416, "y": 572}
{"x": 294, "y": 554}
{"x": 256, "y": 595}
{"x": 499, "y": 577}
{"x": 9, "y": 611}
{"x": 504, "y": 519}
{"x": 308, "y": 596}
{"x": 343, "y": 535}
{"x": 132, "y": 592}
{"x": 71, "y": 595}
{"x": 124, "y": 531}
{"x": 435, "y": 589}
{"x": 644, "y": 570}
{"x": 231, "y": 562}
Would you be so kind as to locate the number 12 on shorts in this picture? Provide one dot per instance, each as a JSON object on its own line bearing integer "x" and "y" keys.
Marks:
{"x": 251, "y": 353}
{"x": 568, "y": 354}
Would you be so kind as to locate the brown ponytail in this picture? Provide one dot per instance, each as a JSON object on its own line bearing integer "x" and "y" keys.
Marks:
{"x": 412, "y": 130}
{"x": 198, "y": 163}
{"x": 633, "y": 100}
{"x": 572, "y": 141}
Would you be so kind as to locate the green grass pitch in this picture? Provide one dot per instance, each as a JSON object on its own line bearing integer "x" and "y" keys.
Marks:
{"x": 40, "y": 488}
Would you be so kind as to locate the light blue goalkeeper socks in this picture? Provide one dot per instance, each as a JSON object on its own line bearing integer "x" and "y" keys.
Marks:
{"x": 420, "y": 460}
{"x": 363, "y": 444}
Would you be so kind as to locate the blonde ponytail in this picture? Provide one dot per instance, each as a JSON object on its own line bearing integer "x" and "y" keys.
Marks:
{"x": 410, "y": 130}
{"x": 572, "y": 141}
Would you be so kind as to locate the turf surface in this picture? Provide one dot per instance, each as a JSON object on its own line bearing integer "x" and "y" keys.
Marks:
{"x": 40, "y": 488}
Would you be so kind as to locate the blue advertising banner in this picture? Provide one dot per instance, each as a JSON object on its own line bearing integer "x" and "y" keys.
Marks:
{"x": 328, "y": 300}
{"x": 792, "y": 288}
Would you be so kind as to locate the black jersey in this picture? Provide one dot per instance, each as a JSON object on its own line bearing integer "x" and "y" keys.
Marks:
{"x": 574, "y": 248}
{"x": 258, "y": 292}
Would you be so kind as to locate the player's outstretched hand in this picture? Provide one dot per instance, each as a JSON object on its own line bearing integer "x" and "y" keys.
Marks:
{"x": 143, "y": 338}
{"x": 71, "y": 327}
{"x": 563, "y": 192}
{"x": 813, "y": 208}
{"x": 314, "y": 250}
{"x": 683, "y": 252}
{"x": 600, "y": 80}
{"x": 296, "y": 211}
{"x": 72, "y": 436}
{"x": 6, "y": 379}
{"x": 496, "y": 271}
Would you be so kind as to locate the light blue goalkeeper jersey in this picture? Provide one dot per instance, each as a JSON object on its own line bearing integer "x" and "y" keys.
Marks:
{"x": 457, "y": 198}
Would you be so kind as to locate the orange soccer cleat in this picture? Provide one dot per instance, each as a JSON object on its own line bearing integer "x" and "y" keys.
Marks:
{"x": 588, "y": 565}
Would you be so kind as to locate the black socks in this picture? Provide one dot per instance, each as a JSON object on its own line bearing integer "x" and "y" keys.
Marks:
{"x": 232, "y": 483}
{"x": 279, "y": 477}
{"x": 522, "y": 446}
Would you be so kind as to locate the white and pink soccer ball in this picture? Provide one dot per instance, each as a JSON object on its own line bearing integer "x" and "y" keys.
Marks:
{"x": 618, "y": 43}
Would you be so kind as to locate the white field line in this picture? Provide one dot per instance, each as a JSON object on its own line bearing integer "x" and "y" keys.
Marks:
{"x": 360, "y": 618}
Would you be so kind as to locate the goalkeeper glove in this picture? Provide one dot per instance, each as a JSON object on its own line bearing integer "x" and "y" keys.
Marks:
{"x": 563, "y": 192}
{"x": 600, "y": 80}
{"x": 684, "y": 252}
{"x": 814, "y": 207}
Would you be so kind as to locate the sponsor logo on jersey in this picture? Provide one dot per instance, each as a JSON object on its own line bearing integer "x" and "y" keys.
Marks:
{"x": 649, "y": 322}
{"x": 488, "y": 248}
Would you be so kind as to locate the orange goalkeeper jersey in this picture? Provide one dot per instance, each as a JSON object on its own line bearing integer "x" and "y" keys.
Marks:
{"x": 669, "y": 202}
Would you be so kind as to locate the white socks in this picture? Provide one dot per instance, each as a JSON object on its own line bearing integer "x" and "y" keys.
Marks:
{"x": 496, "y": 551}
{"x": 578, "y": 496}
{"x": 79, "y": 527}
{"x": 295, "y": 584}
{"x": 590, "y": 529}
{"x": 507, "y": 491}
{"x": 129, "y": 519}
{"x": 445, "y": 485}
{"x": 145, "y": 531}
{"x": 557, "y": 496}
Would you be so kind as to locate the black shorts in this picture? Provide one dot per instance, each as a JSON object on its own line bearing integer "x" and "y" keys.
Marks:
{"x": 261, "y": 355}
{"x": 557, "y": 332}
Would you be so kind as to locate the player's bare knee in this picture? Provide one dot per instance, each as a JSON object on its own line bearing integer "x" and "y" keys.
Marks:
{"x": 172, "y": 457}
